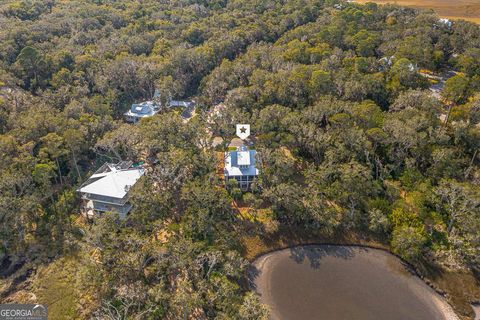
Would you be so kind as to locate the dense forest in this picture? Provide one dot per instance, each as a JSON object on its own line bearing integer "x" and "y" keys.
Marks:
{"x": 350, "y": 141}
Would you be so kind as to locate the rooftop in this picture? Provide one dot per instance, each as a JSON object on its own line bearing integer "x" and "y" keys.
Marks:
{"x": 243, "y": 158}
{"x": 144, "y": 109}
{"x": 112, "y": 180}
{"x": 180, "y": 103}
{"x": 241, "y": 163}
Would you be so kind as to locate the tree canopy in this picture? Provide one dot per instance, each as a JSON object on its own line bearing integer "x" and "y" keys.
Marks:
{"x": 348, "y": 136}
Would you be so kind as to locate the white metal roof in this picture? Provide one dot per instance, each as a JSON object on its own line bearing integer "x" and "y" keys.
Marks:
{"x": 180, "y": 103}
{"x": 243, "y": 158}
{"x": 233, "y": 163}
{"x": 113, "y": 184}
{"x": 143, "y": 109}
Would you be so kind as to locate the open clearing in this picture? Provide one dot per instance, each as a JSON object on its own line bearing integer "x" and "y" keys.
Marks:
{"x": 459, "y": 9}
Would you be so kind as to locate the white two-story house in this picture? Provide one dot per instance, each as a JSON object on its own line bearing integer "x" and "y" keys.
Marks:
{"x": 240, "y": 165}
{"x": 108, "y": 188}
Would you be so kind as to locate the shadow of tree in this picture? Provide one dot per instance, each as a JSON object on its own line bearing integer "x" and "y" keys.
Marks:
{"x": 252, "y": 274}
{"x": 315, "y": 253}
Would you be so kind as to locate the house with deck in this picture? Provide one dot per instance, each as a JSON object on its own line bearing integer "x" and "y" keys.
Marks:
{"x": 107, "y": 190}
{"x": 141, "y": 110}
{"x": 240, "y": 164}
{"x": 150, "y": 108}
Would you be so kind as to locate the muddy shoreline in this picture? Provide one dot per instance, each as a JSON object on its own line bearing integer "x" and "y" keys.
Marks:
{"x": 341, "y": 282}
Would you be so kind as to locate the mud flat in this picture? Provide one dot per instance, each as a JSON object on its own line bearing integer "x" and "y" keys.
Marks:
{"x": 343, "y": 282}
{"x": 476, "y": 308}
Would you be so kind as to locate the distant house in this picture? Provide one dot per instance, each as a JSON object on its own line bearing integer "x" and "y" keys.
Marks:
{"x": 181, "y": 103}
{"x": 188, "y": 108}
{"x": 446, "y": 22}
{"x": 173, "y": 103}
{"x": 107, "y": 189}
{"x": 141, "y": 110}
{"x": 150, "y": 108}
{"x": 240, "y": 165}
{"x": 386, "y": 62}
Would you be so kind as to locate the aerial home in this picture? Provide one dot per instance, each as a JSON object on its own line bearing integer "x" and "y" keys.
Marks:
{"x": 141, "y": 110}
{"x": 180, "y": 103}
{"x": 107, "y": 189}
{"x": 188, "y": 107}
{"x": 240, "y": 165}
{"x": 150, "y": 108}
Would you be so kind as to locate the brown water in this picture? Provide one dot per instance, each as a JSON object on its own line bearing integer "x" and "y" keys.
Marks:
{"x": 341, "y": 282}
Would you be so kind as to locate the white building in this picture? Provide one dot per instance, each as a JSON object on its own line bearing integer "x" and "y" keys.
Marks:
{"x": 107, "y": 189}
{"x": 150, "y": 108}
{"x": 241, "y": 166}
{"x": 446, "y": 22}
{"x": 141, "y": 110}
{"x": 181, "y": 103}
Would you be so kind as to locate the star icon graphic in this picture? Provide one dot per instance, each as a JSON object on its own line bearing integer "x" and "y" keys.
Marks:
{"x": 243, "y": 131}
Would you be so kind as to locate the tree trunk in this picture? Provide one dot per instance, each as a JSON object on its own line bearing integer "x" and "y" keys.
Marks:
{"x": 116, "y": 153}
{"x": 467, "y": 172}
{"x": 450, "y": 226}
{"x": 59, "y": 171}
{"x": 76, "y": 165}
{"x": 36, "y": 79}
{"x": 450, "y": 106}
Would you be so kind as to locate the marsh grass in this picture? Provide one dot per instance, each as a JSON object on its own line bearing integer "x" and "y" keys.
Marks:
{"x": 468, "y": 10}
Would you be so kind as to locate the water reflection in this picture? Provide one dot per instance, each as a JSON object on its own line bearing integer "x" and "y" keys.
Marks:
{"x": 315, "y": 253}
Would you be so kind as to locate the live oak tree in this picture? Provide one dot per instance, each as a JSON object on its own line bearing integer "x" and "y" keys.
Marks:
{"x": 460, "y": 203}
{"x": 348, "y": 140}
{"x": 33, "y": 67}
{"x": 457, "y": 89}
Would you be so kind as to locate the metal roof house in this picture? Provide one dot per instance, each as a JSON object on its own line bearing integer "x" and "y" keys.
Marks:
{"x": 170, "y": 103}
{"x": 180, "y": 103}
{"x": 240, "y": 164}
{"x": 141, "y": 110}
{"x": 150, "y": 108}
{"x": 107, "y": 189}
{"x": 446, "y": 22}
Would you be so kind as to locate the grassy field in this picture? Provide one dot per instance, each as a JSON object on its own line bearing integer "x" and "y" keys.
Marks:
{"x": 457, "y": 9}
{"x": 59, "y": 286}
